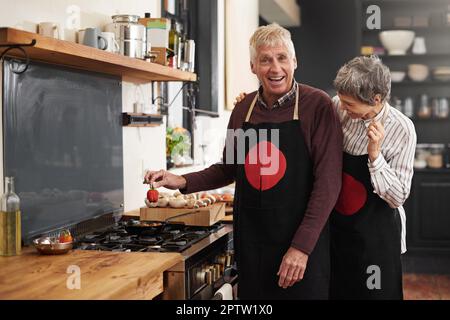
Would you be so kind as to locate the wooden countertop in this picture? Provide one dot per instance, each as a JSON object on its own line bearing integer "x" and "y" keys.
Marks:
{"x": 104, "y": 275}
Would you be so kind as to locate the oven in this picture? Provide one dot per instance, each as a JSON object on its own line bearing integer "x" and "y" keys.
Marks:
{"x": 205, "y": 268}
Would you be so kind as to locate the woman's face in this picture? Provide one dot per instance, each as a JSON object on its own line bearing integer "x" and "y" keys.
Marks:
{"x": 356, "y": 109}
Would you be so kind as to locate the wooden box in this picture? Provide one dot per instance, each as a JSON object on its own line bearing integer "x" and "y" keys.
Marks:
{"x": 205, "y": 216}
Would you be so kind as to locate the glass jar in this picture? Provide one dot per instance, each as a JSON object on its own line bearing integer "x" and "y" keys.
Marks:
{"x": 10, "y": 221}
{"x": 408, "y": 107}
{"x": 422, "y": 153}
{"x": 424, "y": 109}
{"x": 436, "y": 158}
{"x": 443, "y": 108}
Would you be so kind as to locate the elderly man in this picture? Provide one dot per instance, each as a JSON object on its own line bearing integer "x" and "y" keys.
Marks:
{"x": 287, "y": 174}
{"x": 367, "y": 232}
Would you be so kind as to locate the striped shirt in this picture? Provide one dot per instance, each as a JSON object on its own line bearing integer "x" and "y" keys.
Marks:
{"x": 391, "y": 173}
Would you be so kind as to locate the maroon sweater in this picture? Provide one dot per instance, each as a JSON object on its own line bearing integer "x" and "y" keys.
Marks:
{"x": 323, "y": 136}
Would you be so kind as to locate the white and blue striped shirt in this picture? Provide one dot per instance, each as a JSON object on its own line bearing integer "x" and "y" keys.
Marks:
{"x": 391, "y": 173}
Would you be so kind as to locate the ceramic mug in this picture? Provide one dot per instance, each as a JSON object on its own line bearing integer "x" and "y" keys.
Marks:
{"x": 93, "y": 38}
{"x": 419, "y": 46}
{"x": 49, "y": 29}
{"x": 112, "y": 45}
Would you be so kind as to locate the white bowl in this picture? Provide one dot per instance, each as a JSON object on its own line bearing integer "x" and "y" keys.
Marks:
{"x": 397, "y": 42}
{"x": 397, "y": 76}
{"x": 418, "y": 72}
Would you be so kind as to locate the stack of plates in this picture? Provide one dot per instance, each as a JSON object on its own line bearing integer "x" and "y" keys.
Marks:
{"x": 442, "y": 73}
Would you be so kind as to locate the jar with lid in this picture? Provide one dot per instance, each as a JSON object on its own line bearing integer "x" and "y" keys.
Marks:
{"x": 436, "y": 158}
{"x": 443, "y": 108}
{"x": 130, "y": 35}
{"x": 422, "y": 153}
{"x": 408, "y": 107}
{"x": 424, "y": 109}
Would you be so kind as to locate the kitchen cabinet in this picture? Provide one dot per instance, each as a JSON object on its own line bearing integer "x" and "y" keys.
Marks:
{"x": 427, "y": 211}
{"x": 74, "y": 55}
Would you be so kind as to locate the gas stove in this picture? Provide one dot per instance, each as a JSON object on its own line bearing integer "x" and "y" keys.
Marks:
{"x": 173, "y": 238}
{"x": 207, "y": 254}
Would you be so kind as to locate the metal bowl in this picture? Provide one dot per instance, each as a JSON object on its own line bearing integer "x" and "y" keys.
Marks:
{"x": 48, "y": 245}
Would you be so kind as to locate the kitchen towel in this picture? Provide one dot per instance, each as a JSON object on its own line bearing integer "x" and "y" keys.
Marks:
{"x": 226, "y": 291}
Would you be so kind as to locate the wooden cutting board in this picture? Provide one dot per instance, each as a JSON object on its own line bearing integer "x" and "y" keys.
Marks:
{"x": 205, "y": 216}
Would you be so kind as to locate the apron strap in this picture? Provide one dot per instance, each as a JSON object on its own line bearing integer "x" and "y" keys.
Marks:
{"x": 296, "y": 102}
{"x": 295, "y": 117}
{"x": 249, "y": 113}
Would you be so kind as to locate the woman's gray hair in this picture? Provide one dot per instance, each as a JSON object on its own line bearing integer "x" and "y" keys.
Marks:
{"x": 271, "y": 35}
{"x": 363, "y": 78}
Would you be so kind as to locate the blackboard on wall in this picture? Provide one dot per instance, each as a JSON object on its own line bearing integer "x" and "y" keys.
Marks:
{"x": 63, "y": 144}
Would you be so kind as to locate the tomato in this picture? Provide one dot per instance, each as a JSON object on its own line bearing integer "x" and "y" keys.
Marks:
{"x": 65, "y": 236}
{"x": 152, "y": 195}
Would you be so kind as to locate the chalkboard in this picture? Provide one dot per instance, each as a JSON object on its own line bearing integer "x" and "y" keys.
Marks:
{"x": 63, "y": 144}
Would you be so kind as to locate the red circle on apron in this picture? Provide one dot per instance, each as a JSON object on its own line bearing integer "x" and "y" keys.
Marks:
{"x": 353, "y": 196}
{"x": 264, "y": 172}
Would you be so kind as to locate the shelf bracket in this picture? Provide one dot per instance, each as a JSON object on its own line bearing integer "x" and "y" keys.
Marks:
{"x": 18, "y": 46}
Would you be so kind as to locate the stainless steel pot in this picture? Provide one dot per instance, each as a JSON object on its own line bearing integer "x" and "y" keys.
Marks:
{"x": 130, "y": 35}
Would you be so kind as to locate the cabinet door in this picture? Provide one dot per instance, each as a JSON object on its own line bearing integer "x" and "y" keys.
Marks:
{"x": 428, "y": 212}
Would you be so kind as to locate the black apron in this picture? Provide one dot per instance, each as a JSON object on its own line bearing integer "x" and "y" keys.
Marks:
{"x": 267, "y": 212}
{"x": 365, "y": 235}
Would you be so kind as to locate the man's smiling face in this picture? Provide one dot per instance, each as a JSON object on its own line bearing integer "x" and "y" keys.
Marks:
{"x": 274, "y": 67}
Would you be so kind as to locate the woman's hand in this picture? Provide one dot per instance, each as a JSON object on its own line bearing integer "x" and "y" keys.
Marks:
{"x": 375, "y": 132}
{"x": 239, "y": 98}
{"x": 163, "y": 178}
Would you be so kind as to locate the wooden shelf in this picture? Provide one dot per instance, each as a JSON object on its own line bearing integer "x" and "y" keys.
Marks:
{"x": 74, "y": 55}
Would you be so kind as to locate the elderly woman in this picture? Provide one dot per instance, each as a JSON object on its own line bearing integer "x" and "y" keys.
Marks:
{"x": 367, "y": 232}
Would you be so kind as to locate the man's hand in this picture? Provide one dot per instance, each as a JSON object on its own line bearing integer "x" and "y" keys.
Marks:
{"x": 292, "y": 267}
{"x": 163, "y": 178}
{"x": 239, "y": 98}
{"x": 375, "y": 132}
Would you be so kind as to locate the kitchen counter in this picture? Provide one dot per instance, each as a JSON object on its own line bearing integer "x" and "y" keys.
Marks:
{"x": 103, "y": 275}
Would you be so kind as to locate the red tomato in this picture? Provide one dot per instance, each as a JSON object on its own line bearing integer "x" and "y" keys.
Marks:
{"x": 152, "y": 195}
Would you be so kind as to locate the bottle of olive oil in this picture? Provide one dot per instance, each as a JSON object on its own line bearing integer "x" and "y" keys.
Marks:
{"x": 10, "y": 221}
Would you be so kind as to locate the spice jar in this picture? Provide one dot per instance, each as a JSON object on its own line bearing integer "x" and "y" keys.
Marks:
{"x": 436, "y": 158}
{"x": 424, "y": 109}
{"x": 422, "y": 153}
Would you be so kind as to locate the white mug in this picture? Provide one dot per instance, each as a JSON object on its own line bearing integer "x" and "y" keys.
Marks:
{"x": 80, "y": 39}
{"x": 112, "y": 45}
{"x": 49, "y": 29}
{"x": 419, "y": 46}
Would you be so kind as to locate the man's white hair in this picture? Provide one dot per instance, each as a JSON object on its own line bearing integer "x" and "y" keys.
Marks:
{"x": 271, "y": 35}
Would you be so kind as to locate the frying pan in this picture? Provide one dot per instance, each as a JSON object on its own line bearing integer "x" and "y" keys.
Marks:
{"x": 152, "y": 227}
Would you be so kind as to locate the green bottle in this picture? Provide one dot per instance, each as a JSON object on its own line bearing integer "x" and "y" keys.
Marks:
{"x": 10, "y": 221}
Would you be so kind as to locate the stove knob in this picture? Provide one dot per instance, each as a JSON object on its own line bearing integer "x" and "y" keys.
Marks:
{"x": 222, "y": 259}
{"x": 219, "y": 271}
{"x": 201, "y": 276}
{"x": 209, "y": 276}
